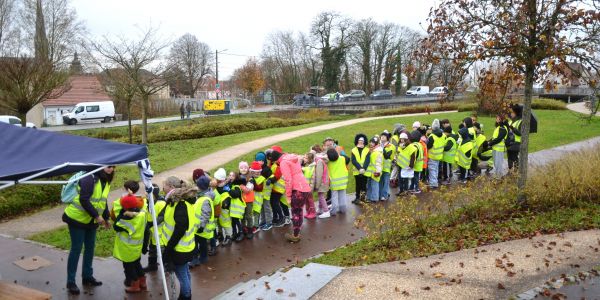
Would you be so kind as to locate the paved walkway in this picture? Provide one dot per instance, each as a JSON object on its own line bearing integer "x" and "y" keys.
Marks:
{"x": 497, "y": 271}
{"x": 580, "y": 108}
{"x": 51, "y": 218}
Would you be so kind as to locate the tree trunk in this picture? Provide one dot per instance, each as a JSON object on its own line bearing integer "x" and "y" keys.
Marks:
{"x": 524, "y": 151}
{"x": 129, "y": 121}
{"x": 145, "y": 119}
{"x": 23, "y": 117}
{"x": 399, "y": 75}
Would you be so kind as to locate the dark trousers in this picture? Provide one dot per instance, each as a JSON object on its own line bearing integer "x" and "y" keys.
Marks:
{"x": 278, "y": 215}
{"x": 237, "y": 226}
{"x": 202, "y": 248}
{"x": 361, "y": 184}
{"x": 414, "y": 182}
{"x": 285, "y": 209}
{"x": 133, "y": 271}
{"x": 152, "y": 255}
{"x": 446, "y": 171}
{"x": 474, "y": 166}
{"x": 463, "y": 174}
{"x": 424, "y": 174}
{"x": 79, "y": 238}
{"x": 513, "y": 159}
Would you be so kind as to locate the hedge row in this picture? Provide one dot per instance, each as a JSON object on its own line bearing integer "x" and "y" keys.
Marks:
{"x": 217, "y": 128}
{"x": 21, "y": 199}
{"x": 541, "y": 103}
{"x": 409, "y": 110}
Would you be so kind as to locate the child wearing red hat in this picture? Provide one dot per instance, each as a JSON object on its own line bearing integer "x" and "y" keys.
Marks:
{"x": 130, "y": 225}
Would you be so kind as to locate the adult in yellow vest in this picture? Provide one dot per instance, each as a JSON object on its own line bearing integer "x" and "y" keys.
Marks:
{"x": 180, "y": 226}
{"x": 389, "y": 152}
{"x": 360, "y": 159}
{"x": 435, "y": 152}
{"x": 150, "y": 242}
{"x": 375, "y": 169}
{"x": 83, "y": 216}
{"x": 449, "y": 154}
{"x": 514, "y": 127}
{"x": 464, "y": 154}
{"x": 205, "y": 215}
{"x": 130, "y": 227}
{"x": 498, "y": 145}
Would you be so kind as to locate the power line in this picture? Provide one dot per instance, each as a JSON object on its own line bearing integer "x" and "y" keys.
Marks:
{"x": 234, "y": 54}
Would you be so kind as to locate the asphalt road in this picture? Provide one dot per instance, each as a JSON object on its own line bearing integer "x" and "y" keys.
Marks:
{"x": 157, "y": 120}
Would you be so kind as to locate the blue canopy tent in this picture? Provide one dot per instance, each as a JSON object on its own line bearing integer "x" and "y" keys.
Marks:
{"x": 28, "y": 155}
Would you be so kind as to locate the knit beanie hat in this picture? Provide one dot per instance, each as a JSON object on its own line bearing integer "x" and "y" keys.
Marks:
{"x": 415, "y": 136}
{"x": 129, "y": 202}
{"x": 416, "y": 124}
{"x": 435, "y": 125}
{"x": 243, "y": 164}
{"x": 255, "y": 167}
{"x": 220, "y": 174}
{"x": 404, "y": 136}
{"x": 260, "y": 156}
{"x": 332, "y": 155}
{"x": 448, "y": 129}
{"x": 203, "y": 183}
{"x": 275, "y": 155}
{"x": 197, "y": 174}
{"x": 277, "y": 148}
{"x": 387, "y": 135}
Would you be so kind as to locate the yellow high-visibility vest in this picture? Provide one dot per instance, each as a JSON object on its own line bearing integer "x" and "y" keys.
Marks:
{"x": 75, "y": 211}
{"x": 187, "y": 242}
{"x": 128, "y": 243}
{"x": 501, "y": 146}
{"x": 338, "y": 174}
{"x": 449, "y": 155}
{"x": 437, "y": 151}
{"x": 372, "y": 168}
{"x": 462, "y": 159}
{"x": 209, "y": 230}
{"x": 360, "y": 158}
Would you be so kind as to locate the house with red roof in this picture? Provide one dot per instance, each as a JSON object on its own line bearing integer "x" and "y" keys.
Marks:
{"x": 80, "y": 88}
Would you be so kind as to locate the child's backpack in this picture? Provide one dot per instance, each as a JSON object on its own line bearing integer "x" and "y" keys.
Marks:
{"x": 70, "y": 190}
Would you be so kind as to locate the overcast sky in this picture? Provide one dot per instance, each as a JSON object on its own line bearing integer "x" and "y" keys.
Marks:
{"x": 238, "y": 26}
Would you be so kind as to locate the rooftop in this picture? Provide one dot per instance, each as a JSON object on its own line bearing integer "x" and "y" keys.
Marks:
{"x": 83, "y": 88}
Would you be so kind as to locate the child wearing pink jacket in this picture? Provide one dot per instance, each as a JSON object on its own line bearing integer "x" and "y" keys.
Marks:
{"x": 296, "y": 189}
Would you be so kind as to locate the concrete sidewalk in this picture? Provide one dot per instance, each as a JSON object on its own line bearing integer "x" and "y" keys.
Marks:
{"x": 580, "y": 108}
{"x": 497, "y": 271}
{"x": 51, "y": 218}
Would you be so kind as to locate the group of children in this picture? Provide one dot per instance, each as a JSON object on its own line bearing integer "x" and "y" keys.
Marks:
{"x": 234, "y": 206}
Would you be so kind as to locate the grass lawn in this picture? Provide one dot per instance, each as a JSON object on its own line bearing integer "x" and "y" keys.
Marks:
{"x": 465, "y": 235}
{"x": 60, "y": 239}
{"x": 555, "y": 128}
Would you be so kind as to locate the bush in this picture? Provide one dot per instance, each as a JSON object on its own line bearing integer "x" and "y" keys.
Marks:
{"x": 314, "y": 114}
{"x": 541, "y": 103}
{"x": 196, "y": 130}
{"x": 409, "y": 110}
{"x": 22, "y": 199}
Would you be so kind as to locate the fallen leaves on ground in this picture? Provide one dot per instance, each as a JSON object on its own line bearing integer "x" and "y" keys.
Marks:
{"x": 501, "y": 286}
{"x": 438, "y": 275}
{"x": 279, "y": 291}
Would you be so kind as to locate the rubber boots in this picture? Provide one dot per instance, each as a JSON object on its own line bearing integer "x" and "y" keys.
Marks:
{"x": 134, "y": 287}
{"x": 143, "y": 285}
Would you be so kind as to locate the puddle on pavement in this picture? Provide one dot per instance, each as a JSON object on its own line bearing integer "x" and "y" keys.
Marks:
{"x": 588, "y": 289}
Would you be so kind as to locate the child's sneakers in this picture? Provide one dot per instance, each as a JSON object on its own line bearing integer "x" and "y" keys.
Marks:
{"x": 325, "y": 215}
{"x": 266, "y": 227}
{"x": 310, "y": 216}
{"x": 287, "y": 221}
{"x": 227, "y": 241}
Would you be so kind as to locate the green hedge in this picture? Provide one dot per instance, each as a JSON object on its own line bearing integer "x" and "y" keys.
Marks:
{"x": 409, "y": 110}
{"x": 217, "y": 128}
{"x": 541, "y": 103}
{"x": 21, "y": 199}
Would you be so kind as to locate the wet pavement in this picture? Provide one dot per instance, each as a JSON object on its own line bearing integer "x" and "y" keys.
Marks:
{"x": 588, "y": 289}
{"x": 240, "y": 262}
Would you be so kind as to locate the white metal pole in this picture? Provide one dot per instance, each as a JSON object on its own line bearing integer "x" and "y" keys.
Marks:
{"x": 157, "y": 242}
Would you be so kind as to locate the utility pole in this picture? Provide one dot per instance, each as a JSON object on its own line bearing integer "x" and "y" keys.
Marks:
{"x": 217, "y": 86}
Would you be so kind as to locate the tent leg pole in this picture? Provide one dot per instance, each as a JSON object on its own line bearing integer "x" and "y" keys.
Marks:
{"x": 158, "y": 251}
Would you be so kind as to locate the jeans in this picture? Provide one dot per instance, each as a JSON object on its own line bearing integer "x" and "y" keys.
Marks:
{"x": 446, "y": 171}
{"x": 498, "y": 163}
{"x": 79, "y": 238}
{"x": 403, "y": 184}
{"x": 266, "y": 213}
{"x": 414, "y": 183}
{"x": 373, "y": 190}
{"x": 338, "y": 202}
{"x": 183, "y": 275}
{"x": 434, "y": 168}
{"x": 384, "y": 186}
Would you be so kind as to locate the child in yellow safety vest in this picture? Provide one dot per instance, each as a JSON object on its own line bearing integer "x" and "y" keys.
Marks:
{"x": 375, "y": 169}
{"x": 308, "y": 169}
{"x": 464, "y": 154}
{"x": 449, "y": 154}
{"x": 221, "y": 192}
{"x": 130, "y": 227}
{"x": 234, "y": 202}
{"x": 388, "y": 151}
{"x": 205, "y": 214}
{"x": 338, "y": 181}
{"x": 263, "y": 188}
{"x": 149, "y": 240}
{"x": 247, "y": 186}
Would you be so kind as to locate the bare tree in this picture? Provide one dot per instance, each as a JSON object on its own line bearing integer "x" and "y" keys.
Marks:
{"x": 365, "y": 33}
{"x": 65, "y": 33}
{"x": 122, "y": 89}
{"x": 142, "y": 61}
{"x": 194, "y": 58}
{"x": 25, "y": 82}
{"x": 7, "y": 27}
{"x": 383, "y": 48}
{"x": 533, "y": 37}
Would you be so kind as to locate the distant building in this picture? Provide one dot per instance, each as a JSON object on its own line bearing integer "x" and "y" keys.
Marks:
{"x": 82, "y": 88}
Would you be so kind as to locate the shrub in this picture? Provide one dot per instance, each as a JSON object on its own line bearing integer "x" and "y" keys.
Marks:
{"x": 284, "y": 114}
{"x": 541, "y": 103}
{"x": 409, "y": 110}
{"x": 21, "y": 199}
{"x": 468, "y": 107}
{"x": 313, "y": 114}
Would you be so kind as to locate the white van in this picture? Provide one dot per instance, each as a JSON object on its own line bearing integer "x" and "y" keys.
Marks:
{"x": 417, "y": 90}
{"x": 15, "y": 121}
{"x": 103, "y": 111}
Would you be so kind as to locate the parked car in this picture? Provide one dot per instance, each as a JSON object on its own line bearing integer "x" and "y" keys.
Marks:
{"x": 418, "y": 90}
{"x": 381, "y": 94}
{"x": 15, "y": 121}
{"x": 439, "y": 90}
{"x": 353, "y": 95}
{"x": 103, "y": 111}
{"x": 332, "y": 97}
